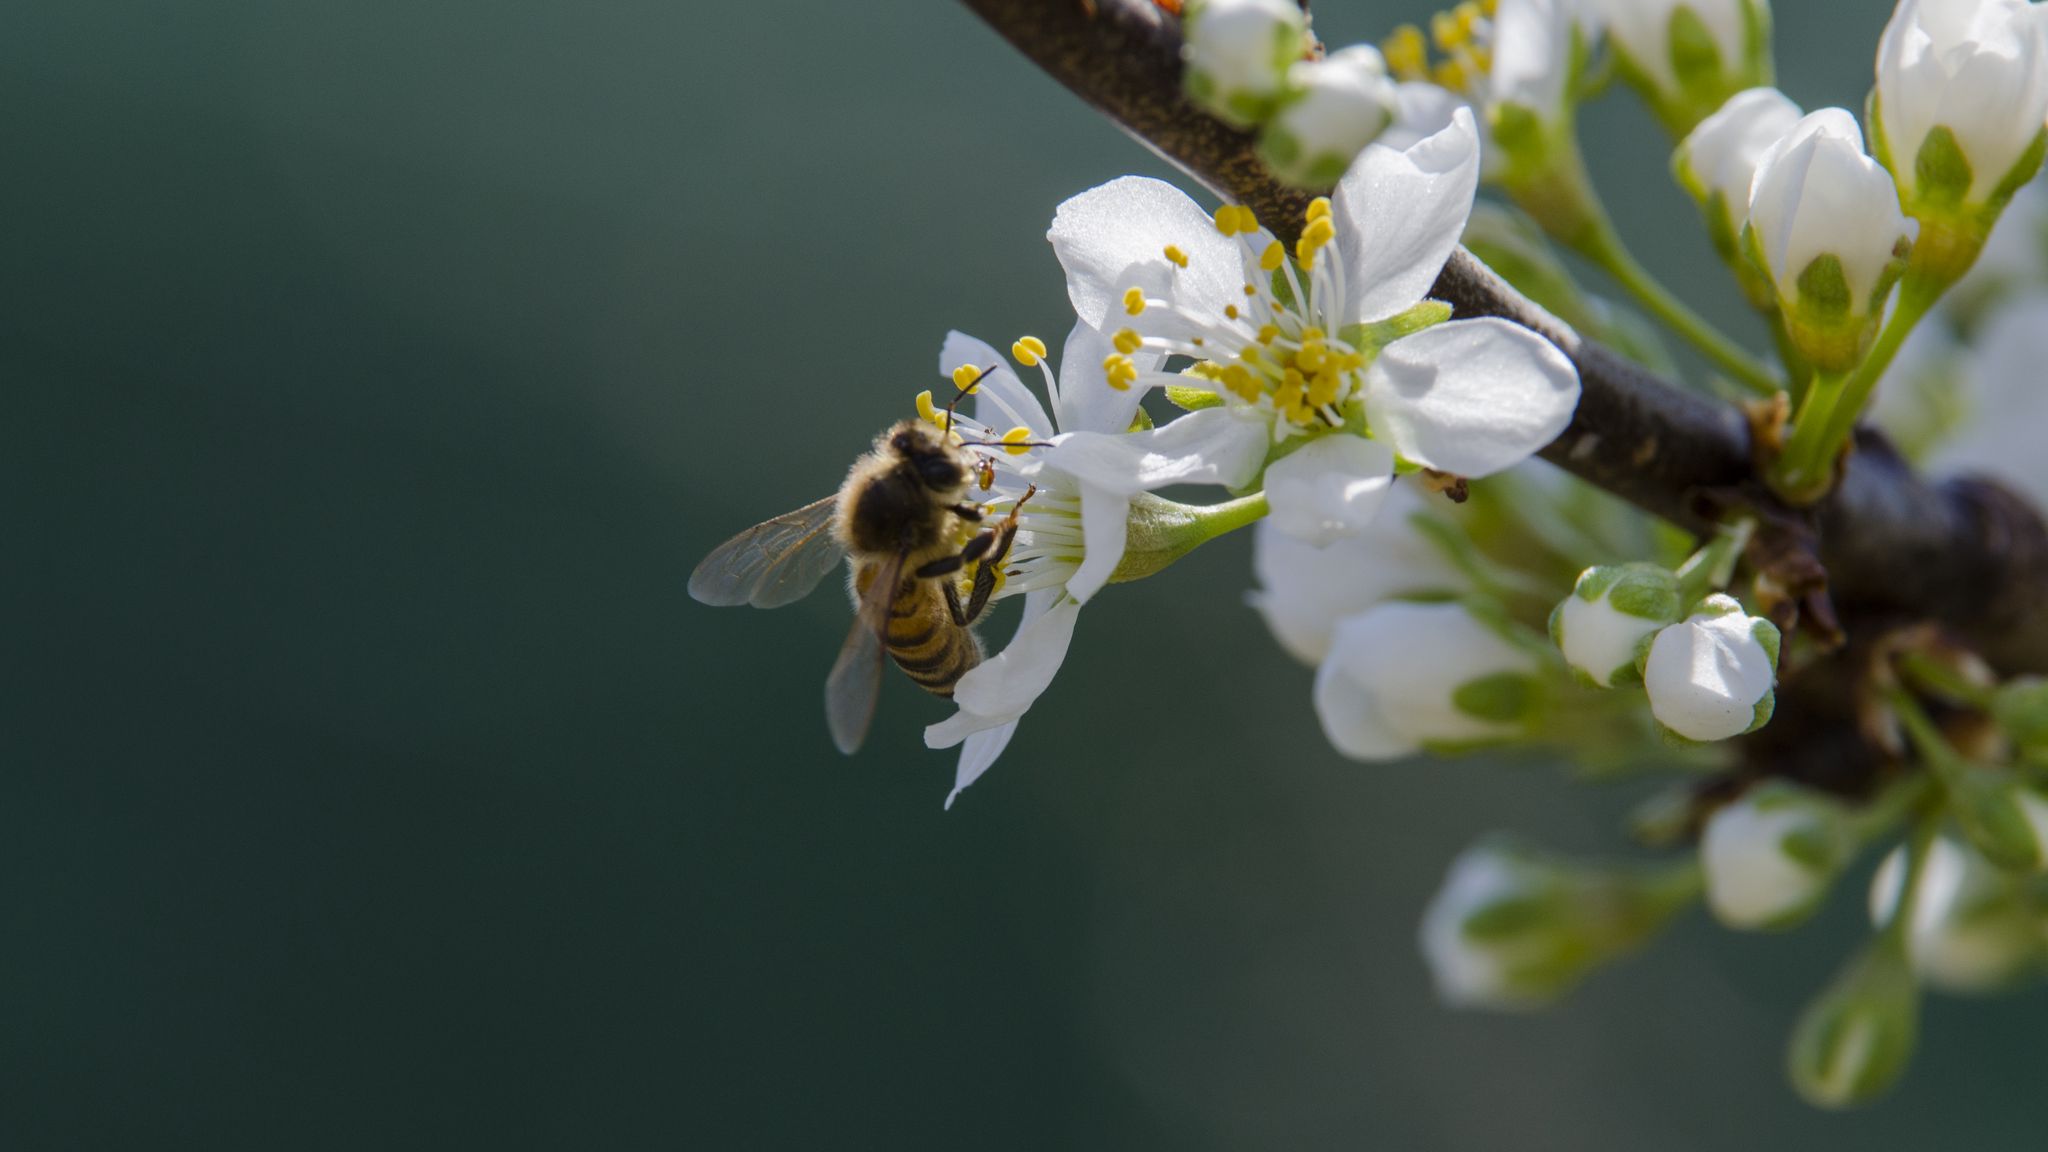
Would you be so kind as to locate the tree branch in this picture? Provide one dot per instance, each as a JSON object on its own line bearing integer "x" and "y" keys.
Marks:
{"x": 1963, "y": 552}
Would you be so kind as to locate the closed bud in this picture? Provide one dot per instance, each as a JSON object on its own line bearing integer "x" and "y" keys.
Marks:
{"x": 1400, "y": 678}
{"x": 1334, "y": 107}
{"x": 1717, "y": 162}
{"x": 1957, "y": 115}
{"x": 1975, "y": 926}
{"x": 1771, "y": 856}
{"x": 1686, "y": 57}
{"x": 1513, "y": 928}
{"x": 1238, "y": 53}
{"x": 1710, "y": 676}
{"x": 1852, "y": 1043}
{"x": 1825, "y": 227}
{"x": 1612, "y": 612}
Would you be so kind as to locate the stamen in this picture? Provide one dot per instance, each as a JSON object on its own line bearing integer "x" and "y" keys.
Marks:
{"x": 1178, "y": 257}
{"x": 1407, "y": 53}
{"x": 967, "y": 379}
{"x": 1134, "y": 301}
{"x": 1269, "y": 260}
{"x": 1120, "y": 371}
{"x": 1230, "y": 311}
{"x": 1017, "y": 441}
{"x": 1028, "y": 350}
{"x": 1127, "y": 341}
{"x": 927, "y": 411}
{"x": 1317, "y": 209}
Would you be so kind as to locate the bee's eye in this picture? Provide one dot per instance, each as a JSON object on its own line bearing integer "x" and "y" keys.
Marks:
{"x": 939, "y": 472}
{"x": 902, "y": 442}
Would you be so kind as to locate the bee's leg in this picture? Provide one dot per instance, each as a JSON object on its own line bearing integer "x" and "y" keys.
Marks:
{"x": 952, "y": 592}
{"x": 1000, "y": 538}
{"x": 945, "y": 565}
{"x": 967, "y": 512}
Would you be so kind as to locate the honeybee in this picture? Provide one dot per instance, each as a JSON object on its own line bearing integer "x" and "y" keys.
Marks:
{"x": 904, "y": 519}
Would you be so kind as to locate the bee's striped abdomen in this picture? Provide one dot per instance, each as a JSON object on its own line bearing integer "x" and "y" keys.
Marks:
{"x": 924, "y": 641}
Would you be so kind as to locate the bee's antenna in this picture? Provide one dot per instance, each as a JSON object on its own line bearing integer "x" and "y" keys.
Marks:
{"x": 962, "y": 392}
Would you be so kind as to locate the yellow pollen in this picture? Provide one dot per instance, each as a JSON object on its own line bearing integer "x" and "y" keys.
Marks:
{"x": 1322, "y": 389}
{"x": 1127, "y": 341}
{"x": 1251, "y": 354}
{"x": 1017, "y": 441}
{"x": 1226, "y": 219}
{"x": 1240, "y": 381}
{"x": 1179, "y": 258}
{"x": 1134, "y": 301}
{"x": 1268, "y": 333}
{"x": 927, "y": 411}
{"x": 1317, "y": 209}
{"x": 1447, "y": 31}
{"x": 1270, "y": 259}
{"x": 1452, "y": 75}
{"x": 1305, "y": 254}
{"x": 1489, "y": 7}
{"x": 1121, "y": 373}
{"x": 964, "y": 378}
{"x": 1320, "y": 231}
{"x": 1251, "y": 289}
{"x": 1230, "y": 311}
{"x": 1313, "y": 356}
{"x": 1407, "y": 53}
{"x": 1469, "y": 15}
{"x": 1292, "y": 378}
{"x": 1028, "y": 350}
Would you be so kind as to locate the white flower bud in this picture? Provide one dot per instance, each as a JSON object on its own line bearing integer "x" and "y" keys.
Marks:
{"x": 1975, "y": 929}
{"x": 1717, "y": 161}
{"x": 1515, "y": 929}
{"x": 1962, "y": 93}
{"x": 2002, "y": 814}
{"x": 1825, "y": 226}
{"x": 1686, "y": 56}
{"x": 1772, "y": 854}
{"x": 1852, "y": 1043}
{"x": 1304, "y": 590}
{"x": 1400, "y": 677}
{"x": 1612, "y": 610}
{"x": 1238, "y": 54}
{"x": 1334, "y": 108}
{"x": 1711, "y": 676}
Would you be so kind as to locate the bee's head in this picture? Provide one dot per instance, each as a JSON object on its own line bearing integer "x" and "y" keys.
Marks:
{"x": 930, "y": 454}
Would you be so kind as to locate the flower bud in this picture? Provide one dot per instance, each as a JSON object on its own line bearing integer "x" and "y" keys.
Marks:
{"x": 1686, "y": 56}
{"x": 1513, "y": 928}
{"x": 1613, "y": 609}
{"x": 1717, "y": 162}
{"x": 2021, "y": 708}
{"x": 1825, "y": 226}
{"x": 1852, "y": 1042}
{"x": 1403, "y": 677}
{"x": 1710, "y": 676}
{"x": 1771, "y": 855}
{"x": 1962, "y": 93}
{"x": 1974, "y": 929}
{"x": 1238, "y": 54}
{"x": 1333, "y": 109}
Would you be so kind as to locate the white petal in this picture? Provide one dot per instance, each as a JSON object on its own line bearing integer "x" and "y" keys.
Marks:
{"x": 977, "y": 756}
{"x": 1087, "y": 402}
{"x": 1105, "y": 520}
{"x": 1213, "y": 446}
{"x": 1114, "y": 237}
{"x": 1470, "y": 397}
{"x": 1399, "y": 214}
{"x": 1330, "y": 488}
{"x": 1001, "y": 401}
{"x": 1007, "y": 683}
{"x": 1351, "y": 715}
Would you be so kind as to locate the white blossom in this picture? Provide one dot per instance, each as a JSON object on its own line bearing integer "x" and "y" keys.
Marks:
{"x": 1710, "y": 676}
{"x": 1978, "y": 68}
{"x": 1717, "y": 161}
{"x": 1601, "y": 626}
{"x": 1771, "y": 855}
{"x": 1322, "y": 344}
{"x": 1401, "y": 676}
{"x": 1304, "y": 590}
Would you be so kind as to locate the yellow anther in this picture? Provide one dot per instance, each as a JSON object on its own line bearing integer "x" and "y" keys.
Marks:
{"x": 1292, "y": 378}
{"x": 1322, "y": 389}
{"x": 1179, "y": 258}
{"x": 1447, "y": 31}
{"x": 1407, "y": 53}
{"x": 1119, "y": 370}
{"x": 965, "y": 377}
{"x": 1230, "y": 311}
{"x": 1313, "y": 333}
{"x": 1305, "y": 254}
{"x": 1320, "y": 231}
{"x": 1268, "y": 333}
{"x": 1226, "y": 219}
{"x": 1247, "y": 222}
{"x": 1313, "y": 356}
{"x": 1127, "y": 341}
{"x": 1452, "y": 75}
{"x": 1017, "y": 441}
{"x": 1240, "y": 381}
{"x": 1251, "y": 289}
{"x": 927, "y": 411}
{"x": 1134, "y": 301}
{"x": 1317, "y": 209}
{"x": 1469, "y": 15}
{"x": 1028, "y": 350}
{"x": 1270, "y": 259}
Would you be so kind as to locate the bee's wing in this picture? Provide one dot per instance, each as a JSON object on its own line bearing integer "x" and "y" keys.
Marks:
{"x": 775, "y": 562}
{"x": 856, "y": 678}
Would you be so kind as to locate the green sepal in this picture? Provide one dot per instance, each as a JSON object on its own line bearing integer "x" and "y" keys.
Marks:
{"x": 1502, "y": 698}
{"x": 1871, "y": 1014}
{"x": 1941, "y": 174}
{"x": 1370, "y": 338}
{"x": 1189, "y": 399}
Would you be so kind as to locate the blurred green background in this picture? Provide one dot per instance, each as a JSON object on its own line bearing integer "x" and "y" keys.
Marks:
{"x": 375, "y": 373}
